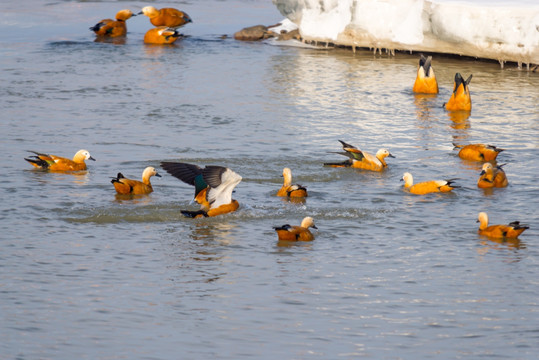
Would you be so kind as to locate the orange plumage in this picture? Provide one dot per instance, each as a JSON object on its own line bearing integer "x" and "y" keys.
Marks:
{"x": 161, "y": 35}
{"x": 168, "y": 17}
{"x": 135, "y": 187}
{"x": 492, "y": 177}
{"x": 113, "y": 28}
{"x": 425, "y": 81}
{"x": 289, "y": 189}
{"x": 478, "y": 152}
{"x": 57, "y": 163}
{"x": 427, "y": 187}
{"x": 460, "y": 99}
{"x": 510, "y": 231}
{"x": 296, "y": 233}
{"x": 213, "y": 187}
{"x": 362, "y": 159}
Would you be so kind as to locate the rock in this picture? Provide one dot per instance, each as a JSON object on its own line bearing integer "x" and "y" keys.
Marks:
{"x": 254, "y": 33}
{"x": 294, "y": 34}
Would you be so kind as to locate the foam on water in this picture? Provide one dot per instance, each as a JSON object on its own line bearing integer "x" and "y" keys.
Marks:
{"x": 500, "y": 30}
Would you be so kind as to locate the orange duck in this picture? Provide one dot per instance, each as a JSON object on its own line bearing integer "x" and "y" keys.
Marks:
{"x": 362, "y": 159}
{"x": 296, "y": 233}
{"x": 460, "y": 99}
{"x": 168, "y": 17}
{"x": 478, "y": 152}
{"x": 213, "y": 187}
{"x": 425, "y": 81}
{"x": 113, "y": 28}
{"x": 510, "y": 231}
{"x": 57, "y": 163}
{"x": 492, "y": 177}
{"x": 289, "y": 189}
{"x": 135, "y": 187}
{"x": 161, "y": 35}
{"x": 427, "y": 187}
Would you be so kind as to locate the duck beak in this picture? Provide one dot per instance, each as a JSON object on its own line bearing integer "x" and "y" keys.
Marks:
{"x": 402, "y": 179}
{"x": 391, "y": 155}
{"x": 157, "y": 174}
{"x": 91, "y": 158}
{"x": 139, "y": 13}
{"x": 482, "y": 173}
{"x": 314, "y": 227}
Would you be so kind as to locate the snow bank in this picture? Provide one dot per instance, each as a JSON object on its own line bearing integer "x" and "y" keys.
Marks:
{"x": 500, "y": 30}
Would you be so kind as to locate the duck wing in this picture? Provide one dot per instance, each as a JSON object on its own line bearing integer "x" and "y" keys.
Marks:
{"x": 222, "y": 182}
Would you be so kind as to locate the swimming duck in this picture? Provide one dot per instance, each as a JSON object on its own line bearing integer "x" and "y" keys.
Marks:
{"x": 425, "y": 81}
{"x": 460, "y": 98}
{"x": 135, "y": 187}
{"x": 510, "y": 231}
{"x": 161, "y": 35}
{"x": 113, "y": 28}
{"x": 289, "y": 189}
{"x": 362, "y": 159}
{"x": 478, "y": 152}
{"x": 213, "y": 187}
{"x": 427, "y": 187}
{"x": 168, "y": 17}
{"x": 492, "y": 177}
{"x": 296, "y": 233}
{"x": 57, "y": 163}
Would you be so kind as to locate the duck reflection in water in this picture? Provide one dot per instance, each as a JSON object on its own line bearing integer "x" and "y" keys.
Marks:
{"x": 219, "y": 233}
{"x": 424, "y": 103}
{"x": 460, "y": 119}
{"x": 121, "y": 40}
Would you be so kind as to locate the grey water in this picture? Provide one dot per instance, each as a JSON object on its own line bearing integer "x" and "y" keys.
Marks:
{"x": 85, "y": 274}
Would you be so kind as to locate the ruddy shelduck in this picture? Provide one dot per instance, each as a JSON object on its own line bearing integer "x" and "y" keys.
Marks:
{"x": 478, "y": 152}
{"x": 427, "y": 187}
{"x": 510, "y": 231}
{"x": 425, "y": 81}
{"x": 57, "y": 163}
{"x": 113, "y": 28}
{"x": 289, "y": 189}
{"x": 135, "y": 187}
{"x": 492, "y": 176}
{"x": 168, "y": 17}
{"x": 213, "y": 187}
{"x": 362, "y": 159}
{"x": 460, "y": 99}
{"x": 296, "y": 233}
{"x": 161, "y": 35}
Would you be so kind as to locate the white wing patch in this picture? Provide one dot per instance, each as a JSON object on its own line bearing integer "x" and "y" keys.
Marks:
{"x": 222, "y": 194}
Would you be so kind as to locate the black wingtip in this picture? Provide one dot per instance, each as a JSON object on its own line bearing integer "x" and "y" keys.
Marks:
{"x": 193, "y": 214}
{"x": 283, "y": 227}
{"x": 346, "y": 163}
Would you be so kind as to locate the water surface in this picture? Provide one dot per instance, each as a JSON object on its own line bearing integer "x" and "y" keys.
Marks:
{"x": 87, "y": 274}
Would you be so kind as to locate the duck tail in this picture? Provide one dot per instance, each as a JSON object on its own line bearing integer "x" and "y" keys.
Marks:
{"x": 456, "y": 146}
{"x": 450, "y": 182}
{"x": 517, "y": 225}
{"x": 37, "y": 162}
{"x": 117, "y": 178}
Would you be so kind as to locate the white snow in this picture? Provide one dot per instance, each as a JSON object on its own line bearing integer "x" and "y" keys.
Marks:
{"x": 493, "y": 29}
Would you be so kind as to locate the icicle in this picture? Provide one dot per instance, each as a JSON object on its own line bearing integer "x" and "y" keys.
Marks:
{"x": 501, "y": 63}
{"x": 354, "y": 51}
{"x": 528, "y": 66}
{"x": 519, "y": 65}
